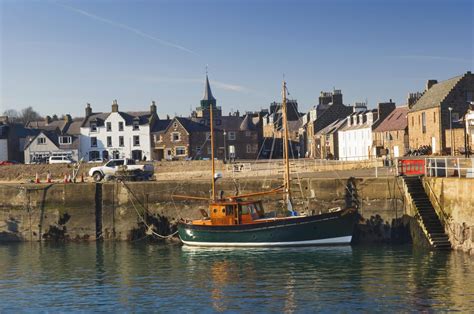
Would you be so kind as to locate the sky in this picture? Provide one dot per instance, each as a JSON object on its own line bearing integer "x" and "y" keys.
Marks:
{"x": 56, "y": 56}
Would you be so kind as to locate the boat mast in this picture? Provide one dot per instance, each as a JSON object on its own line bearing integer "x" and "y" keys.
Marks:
{"x": 285, "y": 148}
{"x": 212, "y": 153}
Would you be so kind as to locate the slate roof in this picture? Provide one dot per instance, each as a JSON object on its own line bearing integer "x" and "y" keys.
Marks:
{"x": 160, "y": 125}
{"x": 396, "y": 120}
{"x": 247, "y": 124}
{"x": 130, "y": 116}
{"x": 436, "y": 94}
{"x": 207, "y": 91}
{"x": 333, "y": 127}
{"x": 191, "y": 126}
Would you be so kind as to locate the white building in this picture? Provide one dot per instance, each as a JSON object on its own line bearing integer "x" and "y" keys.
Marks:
{"x": 117, "y": 134}
{"x": 355, "y": 139}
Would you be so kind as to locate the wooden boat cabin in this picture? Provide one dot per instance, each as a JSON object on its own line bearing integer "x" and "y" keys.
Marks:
{"x": 234, "y": 212}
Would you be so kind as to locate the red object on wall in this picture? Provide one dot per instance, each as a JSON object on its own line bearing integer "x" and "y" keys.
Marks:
{"x": 411, "y": 167}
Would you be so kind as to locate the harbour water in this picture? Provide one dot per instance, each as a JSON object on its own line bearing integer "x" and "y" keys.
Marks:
{"x": 142, "y": 277}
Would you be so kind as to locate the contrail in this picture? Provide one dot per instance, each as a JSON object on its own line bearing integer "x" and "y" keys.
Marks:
{"x": 128, "y": 28}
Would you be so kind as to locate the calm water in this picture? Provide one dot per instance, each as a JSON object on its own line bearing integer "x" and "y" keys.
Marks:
{"x": 148, "y": 277}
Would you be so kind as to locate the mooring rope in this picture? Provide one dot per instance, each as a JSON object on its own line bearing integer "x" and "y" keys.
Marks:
{"x": 149, "y": 228}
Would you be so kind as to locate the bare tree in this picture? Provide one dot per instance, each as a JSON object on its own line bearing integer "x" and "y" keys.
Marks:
{"x": 12, "y": 115}
{"x": 23, "y": 116}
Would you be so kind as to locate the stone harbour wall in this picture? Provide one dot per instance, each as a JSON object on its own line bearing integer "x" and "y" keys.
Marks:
{"x": 131, "y": 211}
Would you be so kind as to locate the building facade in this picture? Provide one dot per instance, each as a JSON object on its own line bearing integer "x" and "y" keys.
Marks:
{"x": 117, "y": 134}
{"x": 391, "y": 136}
{"x": 437, "y": 114}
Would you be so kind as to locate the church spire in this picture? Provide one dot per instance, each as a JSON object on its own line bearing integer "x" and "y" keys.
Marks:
{"x": 207, "y": 92}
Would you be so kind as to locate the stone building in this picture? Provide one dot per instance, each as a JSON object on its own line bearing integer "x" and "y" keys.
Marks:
{"x": 329, "y": 109}
{"x": 235, "y": 136}
{"x": 327, "y": 140}
{"x": 391, "y": 136}
{"x": 429, "y": 120}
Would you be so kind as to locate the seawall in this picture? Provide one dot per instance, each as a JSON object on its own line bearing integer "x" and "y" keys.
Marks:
{"x": 116, "y": 211}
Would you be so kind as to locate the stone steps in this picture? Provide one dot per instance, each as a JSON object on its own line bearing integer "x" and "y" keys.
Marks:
{"x": 429, "y": 218}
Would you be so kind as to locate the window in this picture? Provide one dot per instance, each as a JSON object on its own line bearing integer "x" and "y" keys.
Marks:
{"x": 455, "y": 117}
{"x": 248, "y": 133}
{"x": 121, "y": 143}
{"x": 180, "y": 151}
{"x": 136, "y": 125}
{"x": 136, "y": 140}
{"x": 175, "y": 137}
{"x": 120, "y": 126}
{"x": 232, "y": 136}
{"x": 218, "y": 122}
{"x": 41, "y": 140}
{"x": 412, "y": 121}
{"x": 93, "y": 127}
{"x": 109, "y": 126}
{"x": 434, "y": 117}
{"x": 109, "y": 141}
{"x": 93, "y": 141}
{"x": 175, "y": 125}
{"x": 93, "y": 155}
{"x": 423, "y": 119}
{"x": 65, "y": 140}
{"x": 249, "y": 148}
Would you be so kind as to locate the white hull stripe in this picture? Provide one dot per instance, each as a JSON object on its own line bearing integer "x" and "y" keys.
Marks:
{"x": 329, "y": 241}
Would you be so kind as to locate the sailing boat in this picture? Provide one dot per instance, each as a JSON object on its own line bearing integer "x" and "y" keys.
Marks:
{"x": 240, "y": 221}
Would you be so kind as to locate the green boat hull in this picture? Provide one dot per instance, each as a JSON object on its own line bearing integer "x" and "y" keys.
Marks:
{"x": 325, "y": 229}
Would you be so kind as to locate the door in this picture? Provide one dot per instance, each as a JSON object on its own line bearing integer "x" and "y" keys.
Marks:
{"x": 168, "y": 154}
{"x": 433, "y": 145}
{"x": 137, "y": 154}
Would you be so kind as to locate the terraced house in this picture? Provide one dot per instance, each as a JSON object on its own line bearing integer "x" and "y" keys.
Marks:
{"x": 436, "y": 118}
{"x": 53, "y": 137}
{"x": 117, "y": 134}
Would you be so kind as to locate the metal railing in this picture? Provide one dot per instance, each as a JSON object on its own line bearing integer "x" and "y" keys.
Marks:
{"x": 449, "y": 167}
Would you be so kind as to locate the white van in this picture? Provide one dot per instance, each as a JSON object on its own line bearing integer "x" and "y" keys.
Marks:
{"x": 60, "y": 160}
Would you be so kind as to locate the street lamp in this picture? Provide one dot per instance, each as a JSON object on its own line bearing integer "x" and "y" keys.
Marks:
{"x": 451, "y": 129}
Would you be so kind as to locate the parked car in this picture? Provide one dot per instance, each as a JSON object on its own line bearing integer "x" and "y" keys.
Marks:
{"x": 60, "y": 160}
{"x": 128, "y": 166}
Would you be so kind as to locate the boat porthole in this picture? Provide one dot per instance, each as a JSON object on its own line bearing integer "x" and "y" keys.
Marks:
{"x": 223, "y": 210}
{"x": 254, "y": 237}
{"x": 215, "y": 210}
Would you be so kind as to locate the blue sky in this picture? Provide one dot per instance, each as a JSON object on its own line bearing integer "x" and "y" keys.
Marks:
{"x": 58, "y": 55}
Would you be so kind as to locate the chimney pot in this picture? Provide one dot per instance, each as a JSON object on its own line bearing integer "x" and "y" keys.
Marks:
{"x": 88, "y": 109}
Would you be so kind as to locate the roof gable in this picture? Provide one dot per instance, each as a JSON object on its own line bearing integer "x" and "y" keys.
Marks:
{"x": 396, "y": 120}
{"x": 434, "y": 96}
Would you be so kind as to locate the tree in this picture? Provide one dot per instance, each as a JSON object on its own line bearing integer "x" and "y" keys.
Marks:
{"x": 12, "y": 114}
{"x": 23, "y": 116}
{"x": 28, "y": 114}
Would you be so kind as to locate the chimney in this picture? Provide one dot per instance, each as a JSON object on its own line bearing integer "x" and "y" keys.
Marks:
{"x": 115, "y": 106}
{"x": 47, "y": 119}
{"x": 153, "y": 107}
{"x": 430, "y": 84}
{"x": 385, "y": 108}
{"x": 67, "y": 118}
{"x": 88, "y": 110}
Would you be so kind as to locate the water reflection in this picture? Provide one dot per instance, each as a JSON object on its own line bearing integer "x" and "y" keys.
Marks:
{"x": 139, "y": 277}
